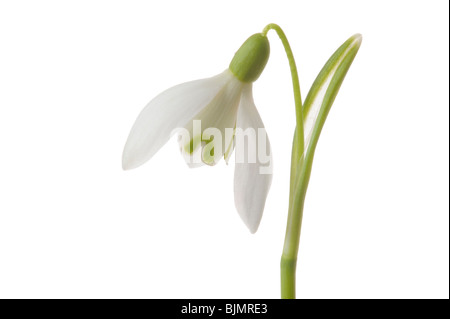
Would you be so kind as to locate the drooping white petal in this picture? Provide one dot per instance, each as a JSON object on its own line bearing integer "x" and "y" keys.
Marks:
{"x": 253, "y": 170}
{"x": 169, "y": 110}
{"x": 212, "y": 128}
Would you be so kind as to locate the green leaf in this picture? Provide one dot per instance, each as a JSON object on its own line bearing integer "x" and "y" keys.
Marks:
{"x": 315, "y": 110}
{"x": 324, "y": 90}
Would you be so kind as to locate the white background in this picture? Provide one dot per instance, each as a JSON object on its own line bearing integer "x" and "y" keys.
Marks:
{"x": 75, "y": 74}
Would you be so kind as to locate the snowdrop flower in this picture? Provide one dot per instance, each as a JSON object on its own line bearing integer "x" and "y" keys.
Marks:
{"x": 220, "y": 104}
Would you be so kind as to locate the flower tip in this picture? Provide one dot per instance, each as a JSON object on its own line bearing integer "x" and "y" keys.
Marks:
{"x": 128, "y": 162}
{"x": 251, "y": 223}
{"x": 125, "y": 165}
{"x": 252, "y": 226}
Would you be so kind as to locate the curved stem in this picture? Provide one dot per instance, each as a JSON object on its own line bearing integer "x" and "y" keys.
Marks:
{"x": 322, "y": 94}
{"x": 288, "y": 263}
{"x": 295, "y": 82}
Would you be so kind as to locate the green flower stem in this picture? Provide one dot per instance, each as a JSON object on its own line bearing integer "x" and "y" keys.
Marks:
{"x": 290, "y": 251}
{"x": 336, "y": 68}
{"x": 299, "y": 138}
{"x": 319, "y": 101}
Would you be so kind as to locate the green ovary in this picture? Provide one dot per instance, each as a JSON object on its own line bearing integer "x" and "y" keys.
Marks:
{"x": 251, "y": 58}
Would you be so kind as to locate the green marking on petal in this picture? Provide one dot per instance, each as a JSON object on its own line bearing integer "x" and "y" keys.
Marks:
{"x": 193, "y": 144}
{"x": 208, "y": 152}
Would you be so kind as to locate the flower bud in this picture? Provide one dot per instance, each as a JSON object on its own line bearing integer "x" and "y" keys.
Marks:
{"x": 251, "y": 58}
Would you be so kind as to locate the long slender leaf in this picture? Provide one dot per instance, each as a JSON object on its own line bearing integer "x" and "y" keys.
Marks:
{"x": 324, "y": 90}
{"x": 315, "y": 110}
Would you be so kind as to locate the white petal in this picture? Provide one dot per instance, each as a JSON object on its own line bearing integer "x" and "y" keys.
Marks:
{"x": 217, "y": 118}
{"x": 253, "y": 174}
{"x": 169, "y": 110}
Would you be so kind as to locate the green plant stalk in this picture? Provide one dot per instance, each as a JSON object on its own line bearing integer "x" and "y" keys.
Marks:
{"x": 288, "y": 265}
{"x": 299, "y": 138}
{"x": 325, "y": 87}
{"x": 298, "y": 142}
